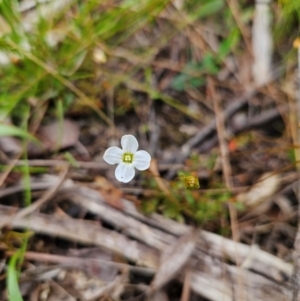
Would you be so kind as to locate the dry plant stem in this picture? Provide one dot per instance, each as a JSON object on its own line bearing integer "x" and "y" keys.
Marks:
{"x": 46, "y": 197}
{"x": 82, "y": 231}
{"x": 206, "y": 278}
{"x": 262, "y": 119}
{"x": 56, "y": 287}
{"x": 236, "y": 104}
{"x": 55, "y": 163}
{"x": 85, "y": 164}
{"x": 41, "y": 110}
{"x": 173, "y": 258}
{"x": 227, "y": 172}
{"x": 221, "y": 131}
{"x": 19, "y": 188}
{"x": 76, "y": 261}
{"x": 155, "y": 230}
{"x": 296, "y": 274}
{"x": 9, "y": 169}
{"x": 256, "y": 122}
{"x": 186, "y": 291}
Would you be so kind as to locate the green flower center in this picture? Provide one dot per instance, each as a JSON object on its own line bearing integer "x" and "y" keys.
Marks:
{"x": 127, "y": 158}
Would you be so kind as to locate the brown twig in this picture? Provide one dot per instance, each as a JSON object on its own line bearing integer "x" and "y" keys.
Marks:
{"x": 186, "y": 290}
{"x": 9, "y": 168}
{"x": 86, "y": 232}
{"x": 227, "y": 172}
{"x": 75, "y": 261}
{"x": 235, "y": 105}
{"x": 221, "y": 131}
{"x": 84, "y": 164}
{"x": 296, "y": 273}
{"x": 255, "y": 122}
{"x": 206, "y": 278}
{"x": 46, "y": 197}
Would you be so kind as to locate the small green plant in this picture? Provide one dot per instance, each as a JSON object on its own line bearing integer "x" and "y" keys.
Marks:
{"x": 190, "y": 203}
{"x": 9, "y": 239}
{"x": 13, "y": 289}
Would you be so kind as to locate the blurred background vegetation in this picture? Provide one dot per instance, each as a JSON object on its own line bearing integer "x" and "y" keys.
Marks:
{"x": 106, "y": 59}
{"x": 110, "y": 63}
{"x": 67, "y": 56}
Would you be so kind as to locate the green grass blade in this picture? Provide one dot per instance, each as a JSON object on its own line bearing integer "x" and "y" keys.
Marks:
{"x": 13, "y": 289}
{"x": 10, "y": 130}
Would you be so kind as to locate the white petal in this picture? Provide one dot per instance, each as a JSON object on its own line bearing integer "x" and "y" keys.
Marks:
{"x": 129, "y": 143}
{"x": 141, "y": 160}
{"x": 124, "y": 172}
{"x": 113, "y": 155}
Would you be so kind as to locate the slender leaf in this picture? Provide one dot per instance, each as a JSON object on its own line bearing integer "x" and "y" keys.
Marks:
{"x": 10, "y": 130}
{"x": 13, "y": 289}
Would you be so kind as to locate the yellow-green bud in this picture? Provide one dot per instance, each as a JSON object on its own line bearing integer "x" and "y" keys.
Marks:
{"x": 191, "y": 182}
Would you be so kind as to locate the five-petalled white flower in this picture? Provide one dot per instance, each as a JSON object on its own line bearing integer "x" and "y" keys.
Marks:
{"x": 128, "y": 158}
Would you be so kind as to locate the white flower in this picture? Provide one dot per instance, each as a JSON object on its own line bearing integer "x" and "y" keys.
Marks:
{"x": 128, "y": 158}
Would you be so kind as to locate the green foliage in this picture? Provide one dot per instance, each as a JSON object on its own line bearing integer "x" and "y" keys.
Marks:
{"x": 204, "y": 8}
{"x": 183, "y": 81}
{"x": 22, "y": 169}
{"x": 92, "y": 23}
{"x": 228, "y": 44}
{"x": 291, "y": 155}
{"x": 202, "y": 207}
{"x": 10, "y": 130}
{"x": 196, "y": 205}
{"x": 13, "y": 289}
{"x": 14, "y": 264}
{"x": 286, "y": 28}
{"x": 289, "y": 12}
{"x": 95, "y": 24}
{"x": 239, "y": 206}
{"x": 150, "y": 206}
{"x": 193, "y": 73}
{"x": 50, "y": 62}
{"x": 73, "y": 162}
